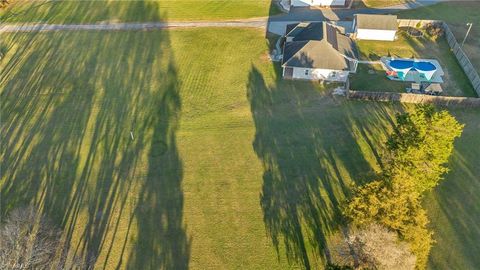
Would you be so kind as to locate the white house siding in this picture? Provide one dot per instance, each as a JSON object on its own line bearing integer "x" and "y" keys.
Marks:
{"x": 371, "y": 34}
{"x": 320, "y": 74}
{"x": 306, "y": 3}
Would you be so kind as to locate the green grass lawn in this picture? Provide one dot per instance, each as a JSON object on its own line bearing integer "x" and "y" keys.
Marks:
{"x": 454, "y": 205}
{"x": 382, "y": 3}
{"x": 134, "y": 11}
{"x": 373, "y": 78}
{"x": 457, "y": 14}
{"x": 229, "y": 167}
{"x": 455, "y": 81}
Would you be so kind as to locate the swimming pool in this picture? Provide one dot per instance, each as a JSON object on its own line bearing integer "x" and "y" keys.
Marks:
{"x": 410, "y": 64}
{"x": 424, "y": 70}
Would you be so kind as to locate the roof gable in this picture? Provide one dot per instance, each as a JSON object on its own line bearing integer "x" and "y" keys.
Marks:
{"x": 318, "y": 45}
{"x": 313, "y": 54}
{"x": 377, "y": 22}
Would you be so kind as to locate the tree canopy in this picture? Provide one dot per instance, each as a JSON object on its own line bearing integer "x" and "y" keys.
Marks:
{"x": 415, "y": 161}
{"x": 396, "y": 208}
{"x": 419, "y": 148}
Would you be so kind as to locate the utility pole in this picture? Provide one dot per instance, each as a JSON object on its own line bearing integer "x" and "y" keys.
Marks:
{"x": 468, "y": 32}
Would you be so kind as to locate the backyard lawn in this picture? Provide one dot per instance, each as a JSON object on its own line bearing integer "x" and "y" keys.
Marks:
{"x": 457, "y": 14}
{"x": 373, "y": 78}
{"x": 226, "y": 167}
{"x": 92, "y": 11}
{"x": 455, "y": 81}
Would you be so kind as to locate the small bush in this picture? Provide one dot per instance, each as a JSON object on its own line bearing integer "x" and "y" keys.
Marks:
{"x": 434, "y": 30}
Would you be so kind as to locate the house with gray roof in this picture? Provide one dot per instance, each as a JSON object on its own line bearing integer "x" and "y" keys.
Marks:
{"x": 318, "y": 51}
{"x": 375, "y": 27}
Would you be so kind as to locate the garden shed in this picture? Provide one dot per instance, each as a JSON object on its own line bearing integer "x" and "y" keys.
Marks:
{"x": 375, "y": 27}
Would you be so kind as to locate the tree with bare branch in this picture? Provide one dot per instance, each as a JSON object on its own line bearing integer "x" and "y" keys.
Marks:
{"x": 28, "y": 240}
{"x": 375, "y": 247}
{"x": 3, "y": 3}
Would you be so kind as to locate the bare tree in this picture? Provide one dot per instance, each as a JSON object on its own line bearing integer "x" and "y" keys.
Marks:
{"x": 28, "y": 240}
{"x": 3, "y": 3}
{"x": 375, "y": 247}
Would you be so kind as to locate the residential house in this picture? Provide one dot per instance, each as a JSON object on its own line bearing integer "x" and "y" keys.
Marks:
{"x": 318, "y": 51}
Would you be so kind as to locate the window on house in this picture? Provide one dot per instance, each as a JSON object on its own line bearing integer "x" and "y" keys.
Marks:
{"x": 306, "y": 71}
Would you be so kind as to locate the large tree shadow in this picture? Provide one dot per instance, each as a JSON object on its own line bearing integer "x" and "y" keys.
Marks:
{"x": 311, "y": 158}
{"x": 161, "y": 241}
{"x": 69, "y": 101}
{"x": 454, "y": 205}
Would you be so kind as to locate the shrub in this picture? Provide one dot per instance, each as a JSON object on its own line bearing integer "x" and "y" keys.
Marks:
{"x": 435, "y": 30}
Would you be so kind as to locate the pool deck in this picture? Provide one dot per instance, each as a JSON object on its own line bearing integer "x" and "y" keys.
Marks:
{"x": 414, "y": 76}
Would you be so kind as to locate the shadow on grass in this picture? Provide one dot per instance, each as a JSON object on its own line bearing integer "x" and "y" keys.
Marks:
{"x": 69, "y": 101}
{"x": 311, "y": 156}
{"x": 454, "y": 205}
{"x": 73, "y": 12}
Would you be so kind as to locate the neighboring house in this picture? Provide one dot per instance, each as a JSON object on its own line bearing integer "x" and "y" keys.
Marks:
{"x": 318, "y": 51}
{"x": 325, "y": 3}
{"x": 375, "y": 27}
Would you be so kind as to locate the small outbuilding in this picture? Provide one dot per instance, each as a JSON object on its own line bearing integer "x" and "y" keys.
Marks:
{"x": 375, "y": 27}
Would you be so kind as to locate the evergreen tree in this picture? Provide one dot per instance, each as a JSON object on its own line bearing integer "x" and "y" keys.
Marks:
{"x": 416, "y": 159}
{"x": 396, "y": 207}
{"x": 419, "y": 148}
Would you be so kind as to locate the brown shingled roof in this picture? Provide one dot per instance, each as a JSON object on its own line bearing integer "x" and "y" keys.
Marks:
{"x": 377, "y": 22}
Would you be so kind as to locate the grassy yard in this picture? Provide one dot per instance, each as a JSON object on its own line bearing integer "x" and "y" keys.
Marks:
{"x": 373, "y": 78}
{"x": 221, "y": 148}
{"x": 454, "y": 205}
{"x": 455, "y": 81}
{"x": 457, "y": 14}
{"x": 382, "y": 3}
{"x": 229, "y": 167}
{"x": 92, "y": 11}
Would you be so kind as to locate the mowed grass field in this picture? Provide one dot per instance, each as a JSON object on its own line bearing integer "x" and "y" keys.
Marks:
{"x": 226, "y": 167}
{"x": 93, "y": 11}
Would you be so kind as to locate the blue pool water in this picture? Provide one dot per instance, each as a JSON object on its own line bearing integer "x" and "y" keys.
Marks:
{"x": 404, "y": 64}
{"x": 424, "y": 66}
{"x": 401, "y": 64}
